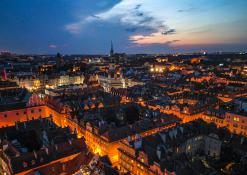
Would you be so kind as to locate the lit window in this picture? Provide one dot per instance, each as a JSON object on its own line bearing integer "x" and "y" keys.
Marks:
{"x": 236, "y": 119}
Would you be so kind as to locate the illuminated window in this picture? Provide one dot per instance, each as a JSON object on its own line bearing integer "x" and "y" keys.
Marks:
{"x": 236, "y": 119}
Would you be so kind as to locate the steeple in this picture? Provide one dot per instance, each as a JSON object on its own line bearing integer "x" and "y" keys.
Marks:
{"x": 111, "y": 51}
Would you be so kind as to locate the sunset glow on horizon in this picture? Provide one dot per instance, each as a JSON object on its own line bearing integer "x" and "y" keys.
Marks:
{"x": 155, "y": 26}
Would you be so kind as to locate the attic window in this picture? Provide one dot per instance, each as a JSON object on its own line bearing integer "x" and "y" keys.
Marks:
{"x": 33, "y": 162}
{"x": 41, "y": 159}
{"x": 24, "y": 164}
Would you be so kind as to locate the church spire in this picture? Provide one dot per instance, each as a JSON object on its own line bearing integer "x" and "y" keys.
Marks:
{"x": 111, "y": 51}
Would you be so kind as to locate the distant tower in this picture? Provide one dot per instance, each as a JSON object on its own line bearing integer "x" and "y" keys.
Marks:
{"x": 111, "y": 51}
{"x": 59, "y": 60}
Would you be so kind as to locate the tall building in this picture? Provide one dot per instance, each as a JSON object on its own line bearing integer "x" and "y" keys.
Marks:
{"x": 59, "y": 60}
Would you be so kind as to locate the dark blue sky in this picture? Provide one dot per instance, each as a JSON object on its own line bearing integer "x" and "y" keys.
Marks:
{"x": 134, "y": 26}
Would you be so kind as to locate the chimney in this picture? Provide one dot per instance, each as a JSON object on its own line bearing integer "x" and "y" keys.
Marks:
{"x": 129, "y": 139}
{"x": 138, "y": 142}
{"x": 242, "y": 140}
{"x": 35, "y": 154}
{"x": 163, "y": 137}
{"x": 175, "y": 132}
{"x": 171, "y": 134}
{"x": 158, "y": 152}
{"x": 47, "y": 151}
{"x": 70, "y": 142}
{"x": 16, "y": 126}
{"x": 181, "y": 129}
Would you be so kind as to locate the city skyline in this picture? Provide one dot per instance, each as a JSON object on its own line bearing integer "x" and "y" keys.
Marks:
{"x": 87, "y": 27}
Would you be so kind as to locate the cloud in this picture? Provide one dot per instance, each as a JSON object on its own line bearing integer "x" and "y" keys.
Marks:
{"x": 131, "y": 14}
{"x": 55, "y": 46}
{"x": 169, "y": 32}
{"x": 140, "y": 21}
{"x": 131, "y": 30}
{"x": 95, "y": 16}
{"x": 191, "y": 9}
{"x": 138, "y": 6}
{"x": 172, "y": 42}
{"x": 153, "y": 38}
{"x": 74, "y": 28}
{"x": 52, "y": 46}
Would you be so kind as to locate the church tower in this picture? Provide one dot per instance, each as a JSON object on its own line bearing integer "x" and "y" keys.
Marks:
{"x": 111, "y": 51}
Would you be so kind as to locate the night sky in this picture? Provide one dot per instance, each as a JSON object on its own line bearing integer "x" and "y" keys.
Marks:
{"x": 134, "y": 26}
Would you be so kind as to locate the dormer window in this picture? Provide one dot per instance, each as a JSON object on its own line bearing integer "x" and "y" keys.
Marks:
{"x": 24, "y": 164}
{"x": 33, "y": 162}
{"x": 41, "y": 159}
